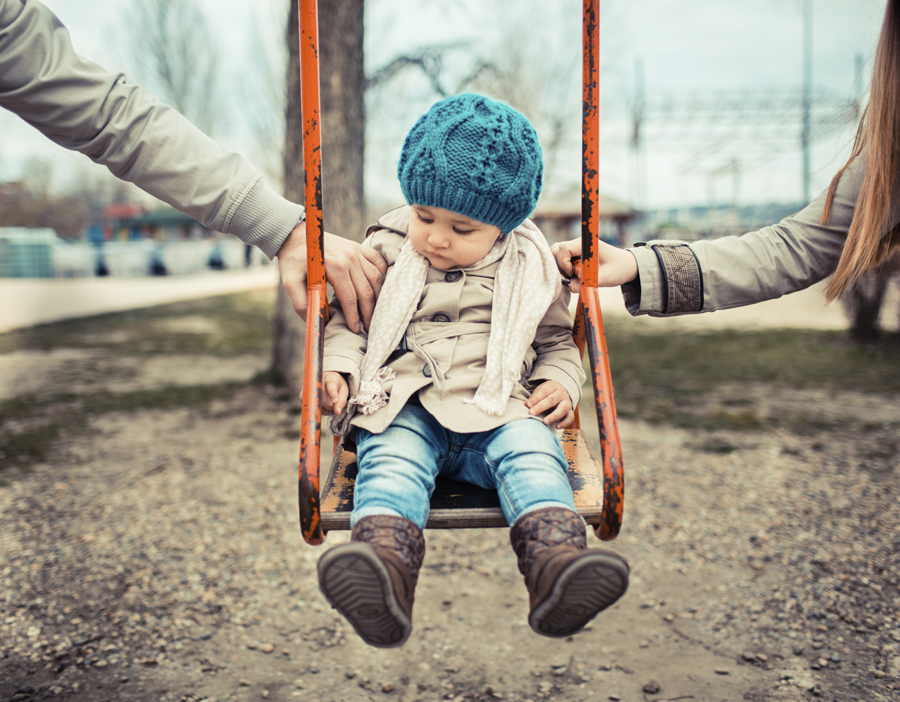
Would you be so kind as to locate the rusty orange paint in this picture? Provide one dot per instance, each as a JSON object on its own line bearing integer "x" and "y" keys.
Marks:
{"x": 591, "y": 332}
{"x": 317, "y": 313}
{"x": 604, "y": 403}
{"x": 590, "y": 140}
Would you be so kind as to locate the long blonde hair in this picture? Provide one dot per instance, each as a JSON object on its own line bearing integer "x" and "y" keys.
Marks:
{"x": 867, "y": 245}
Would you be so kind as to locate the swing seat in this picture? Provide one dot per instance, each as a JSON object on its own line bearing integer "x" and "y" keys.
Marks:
{"x": 456, "y": 505}
{"x": 597, "y": 481}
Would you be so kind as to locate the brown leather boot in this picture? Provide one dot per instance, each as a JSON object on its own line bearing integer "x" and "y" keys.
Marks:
{"x": 568, "y": 583}
{"x": 372, "y": 579}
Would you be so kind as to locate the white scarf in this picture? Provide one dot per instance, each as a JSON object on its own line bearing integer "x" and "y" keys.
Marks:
{"x": 526, "y": 283}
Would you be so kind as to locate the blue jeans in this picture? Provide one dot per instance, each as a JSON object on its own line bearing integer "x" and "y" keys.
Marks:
{"x": 522, "y": 460}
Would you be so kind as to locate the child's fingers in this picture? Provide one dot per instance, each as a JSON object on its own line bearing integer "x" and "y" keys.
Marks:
{"x": 558, "y": 414}
{"x": 568, "y": 421}
{"x": 340, "y": 400}
{"x": 543, "y": 405}
{"x": 334, "y": 395}
{"x": 540, "y": 392}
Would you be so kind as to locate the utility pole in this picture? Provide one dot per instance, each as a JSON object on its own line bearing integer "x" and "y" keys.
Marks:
{"x": 807, "y": 93}
{"x": 636, "y": 134}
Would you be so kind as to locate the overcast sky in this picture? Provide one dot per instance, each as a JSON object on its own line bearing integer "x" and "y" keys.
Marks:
{"x": 685, "y": 46}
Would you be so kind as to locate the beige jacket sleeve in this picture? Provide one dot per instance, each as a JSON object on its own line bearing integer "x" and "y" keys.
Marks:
{"x": 762, "y": 265}
{"x": 82, "y": 107}
{"x": 557, "y": 355}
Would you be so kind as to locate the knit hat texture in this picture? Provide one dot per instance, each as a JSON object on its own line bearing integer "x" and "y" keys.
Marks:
{"x": 475, "y": 156}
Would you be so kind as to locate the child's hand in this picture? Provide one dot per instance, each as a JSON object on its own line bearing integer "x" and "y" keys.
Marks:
{"x": 335, "y": 392}
{"x": 549, "y": 395}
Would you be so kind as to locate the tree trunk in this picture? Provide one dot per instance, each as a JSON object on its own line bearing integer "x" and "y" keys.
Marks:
{"x": 862, "y": 304}
{"x": 342, "y": 82}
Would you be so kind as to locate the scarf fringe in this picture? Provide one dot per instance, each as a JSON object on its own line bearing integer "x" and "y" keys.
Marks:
{"x": 371, "y": 396}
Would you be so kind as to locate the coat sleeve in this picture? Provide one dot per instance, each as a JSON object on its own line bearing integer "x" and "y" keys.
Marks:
{"x": 82, "y": 107}
{"x": 344, "y": 348}
{"x": 676, "y": 278}
{"x": 557, "y": 355}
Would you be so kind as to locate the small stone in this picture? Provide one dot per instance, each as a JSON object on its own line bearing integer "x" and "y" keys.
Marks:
{"x": 762, "y": 657}
{"x": 264, "y": 694}
{"x": 615, "y": 698}
{"x": 651, "y": 687}
{"x": 878, "y": 674}
{"x": 559, "y": 671}
{"x": 285, "y": 652}
{"x": 387, "y": 687}
{"x": 835, "y": 658}
{"x": 722, "y": 671}
{"x": 822, "y": 663}
{"x": 644, "y": 644}
{"x": 298, "y": 683}
{"x": 798, "y": 650}
{"x": 748, "y": 656}
{"x": 267, "y": 648}
{"x": 244, "y": 683}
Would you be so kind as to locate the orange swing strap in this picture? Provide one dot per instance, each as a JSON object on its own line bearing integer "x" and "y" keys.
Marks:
{"x": 599, "y": 489}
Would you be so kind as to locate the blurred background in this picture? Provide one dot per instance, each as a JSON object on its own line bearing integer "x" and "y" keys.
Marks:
{"x": 715, "y": 115}
{"x": 716, "y": 118}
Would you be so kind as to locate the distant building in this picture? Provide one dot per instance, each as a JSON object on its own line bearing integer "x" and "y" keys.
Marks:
{"x": 130, "y": 221}
{"x": 559, "y": 217}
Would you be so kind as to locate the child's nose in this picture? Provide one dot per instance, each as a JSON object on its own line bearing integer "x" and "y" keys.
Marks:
{"x": 436, "y": 239}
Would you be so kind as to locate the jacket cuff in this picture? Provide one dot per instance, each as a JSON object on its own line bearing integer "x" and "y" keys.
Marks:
{"x": 669, "y": 280}
{"x": 683, "y": 284}
{"x": 263, "y": 218}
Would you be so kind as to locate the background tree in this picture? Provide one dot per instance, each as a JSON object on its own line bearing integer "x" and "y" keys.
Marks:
{"x": 342, "y": 84}
{"x": 172, "y": 51}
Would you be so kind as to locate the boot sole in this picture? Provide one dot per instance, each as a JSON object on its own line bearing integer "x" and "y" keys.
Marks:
{"x": 584, "y": 589}
{"x": 357, "y": 584}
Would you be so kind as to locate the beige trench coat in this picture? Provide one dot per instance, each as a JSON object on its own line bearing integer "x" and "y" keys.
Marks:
{"x": 447, "y": 344}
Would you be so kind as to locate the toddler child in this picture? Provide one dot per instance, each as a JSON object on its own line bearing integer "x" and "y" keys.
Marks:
{"x": 470, "y": 345}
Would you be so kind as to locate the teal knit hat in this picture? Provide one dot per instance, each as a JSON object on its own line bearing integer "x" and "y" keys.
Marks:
{"x": 472, "y": 155}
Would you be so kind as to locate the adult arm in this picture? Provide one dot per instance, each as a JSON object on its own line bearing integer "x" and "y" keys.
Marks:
{"x": 82, "y": 107}
{"x": 676, "y": 278}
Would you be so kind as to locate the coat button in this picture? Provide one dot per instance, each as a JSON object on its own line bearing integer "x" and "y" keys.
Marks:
{"x": 453, "y": 276}
{"x": 426, "y": 370}
{"x": 441, "y": 317}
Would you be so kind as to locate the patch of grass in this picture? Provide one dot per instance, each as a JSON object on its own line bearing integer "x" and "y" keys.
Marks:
{"x": 30, "y": 446}
{"x": 716, "y": 445}
{"x": 670, "y": 378}
{"x": 234, "y": 324}
{"x": 29, "y": 425}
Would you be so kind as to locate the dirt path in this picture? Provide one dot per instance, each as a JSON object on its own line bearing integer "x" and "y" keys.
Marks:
{"x": 164, "y": 563}
{"x": 155, "y": 555}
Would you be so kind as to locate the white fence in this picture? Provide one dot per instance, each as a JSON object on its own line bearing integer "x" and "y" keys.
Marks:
{"x": 40, "y": 253}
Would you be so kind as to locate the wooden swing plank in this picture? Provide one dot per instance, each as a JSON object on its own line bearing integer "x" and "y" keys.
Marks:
{"x": 460, "y": 505}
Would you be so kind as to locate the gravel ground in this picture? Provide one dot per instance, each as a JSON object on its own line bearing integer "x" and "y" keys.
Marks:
{"x": 155, "y": 555}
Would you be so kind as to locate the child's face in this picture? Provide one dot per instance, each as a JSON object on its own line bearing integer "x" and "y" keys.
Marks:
{"x": 448, "y": 239}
